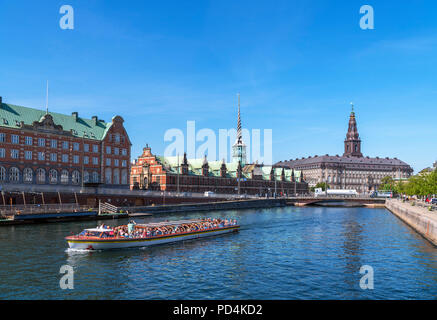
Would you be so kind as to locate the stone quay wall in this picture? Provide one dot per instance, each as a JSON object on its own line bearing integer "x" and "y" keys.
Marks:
{"x": 419, "y": 218}
{"x": 210, "y": 206}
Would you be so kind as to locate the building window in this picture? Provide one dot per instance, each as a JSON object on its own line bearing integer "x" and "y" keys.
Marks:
{"x": 124, "y": 152}
{"x": 108, "y": 175}
{"x": 95, "y": 177}
{"x": 86, "y": 177}
{"x": 124, "y": 176}
{"x": 42, "y": 142}
{"x": 108, "y": 150}
{"x": 28, "y": 141}
{"x": 123, "y": 163}
{"x": 15, "y": 139}
{"x": 40, "y": 175}
{"x": 95, "y": 160}
{"x": 41, "y": 156}
{"x": 86, "y": 160}
{"x": 86, "y": 147}
{"x": 2, "y": 152}
{"x": 116, "y": 151}
{"x": 54, "y": 143}
{"x": 2, "y": 137}
{"x": 116, "y": 176}
{"x": 65, "y": 145}
{"x": 75, "y": 177}
{"x": 76, "y": 159}
{"x": 76, "y": 146}
{"x": 95, "y": 148}
{"x": 108, "y": 161}
{"x": 64, "y": 177}
{"x": 53, "y": 157}
{"x": 14, "y": 154}
{"x": 53, "y": 176}
{"x": 28, "y": 155}
{"x": 116, "y": 163}
{"x": 14, "y": 174}
{"x": 65, "y": 158}
{"x": 117, "y": 138}
{"x": 2, "y": 174}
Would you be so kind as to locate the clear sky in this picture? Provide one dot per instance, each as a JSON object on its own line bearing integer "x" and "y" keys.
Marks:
{"x": 297, "y": 65}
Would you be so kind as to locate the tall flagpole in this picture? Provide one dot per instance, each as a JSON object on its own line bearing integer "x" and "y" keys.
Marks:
{"x": 47, "y": 98}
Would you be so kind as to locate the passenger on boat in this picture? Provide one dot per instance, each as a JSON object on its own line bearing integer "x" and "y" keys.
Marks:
{"x": 132, "y": 231}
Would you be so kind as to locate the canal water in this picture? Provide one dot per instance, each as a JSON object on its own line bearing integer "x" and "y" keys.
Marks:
{"x": 279, "y": 253}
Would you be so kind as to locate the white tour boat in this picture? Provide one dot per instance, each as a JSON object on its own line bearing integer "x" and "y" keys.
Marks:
{"x": 141, "y": 235}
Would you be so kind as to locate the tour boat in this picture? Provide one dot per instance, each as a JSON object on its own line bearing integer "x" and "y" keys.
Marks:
{"x": 106, "y": 238}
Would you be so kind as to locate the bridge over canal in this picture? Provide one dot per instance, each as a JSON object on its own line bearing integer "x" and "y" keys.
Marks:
{"x": 336, "y": 201}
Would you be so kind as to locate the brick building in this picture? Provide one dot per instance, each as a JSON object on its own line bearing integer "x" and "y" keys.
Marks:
{"x": 41, "y": 148}
{"x": 180, "y": 174}
{"x": 153, "y": 172}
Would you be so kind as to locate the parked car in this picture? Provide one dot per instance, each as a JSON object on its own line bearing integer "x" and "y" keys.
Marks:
{"x": 208, "y": 193}
{"x": 434, "y": 200}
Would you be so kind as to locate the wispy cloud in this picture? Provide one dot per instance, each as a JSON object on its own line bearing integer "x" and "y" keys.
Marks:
{"x": 410, "y": 45}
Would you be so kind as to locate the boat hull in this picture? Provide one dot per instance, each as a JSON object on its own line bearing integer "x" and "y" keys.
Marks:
{"x": 103, "y": 244}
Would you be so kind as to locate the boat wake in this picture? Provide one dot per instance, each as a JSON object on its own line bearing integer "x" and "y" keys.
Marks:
{"x": 79, "y": 251}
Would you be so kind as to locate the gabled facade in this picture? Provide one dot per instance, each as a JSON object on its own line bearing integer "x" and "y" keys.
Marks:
{"x": 38, "y": 148}
{"x": 153, "y": 172}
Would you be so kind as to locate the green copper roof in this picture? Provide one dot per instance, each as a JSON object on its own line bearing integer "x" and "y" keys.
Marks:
{"x": 195, "y": 168}
{"x": 11, "y": 116}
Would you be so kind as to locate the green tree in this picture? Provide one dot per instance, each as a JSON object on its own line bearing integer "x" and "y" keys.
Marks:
{"x": 387, "y": 184}
{"x": 421, "y": 184}
{"x": 322, "y": 185}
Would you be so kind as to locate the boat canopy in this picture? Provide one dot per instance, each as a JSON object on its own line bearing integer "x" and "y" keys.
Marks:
{"x": 168, "y": 223}
{"x": 99, "y": 230}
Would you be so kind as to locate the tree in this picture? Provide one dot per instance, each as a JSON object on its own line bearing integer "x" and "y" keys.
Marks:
{"x": 387, "y": 184}
{"x": 421, "y": 184}
{"x": 322, "y": 185}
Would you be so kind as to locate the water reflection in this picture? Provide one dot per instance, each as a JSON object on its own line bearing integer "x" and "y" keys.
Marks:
{"x": 279, "y": 253}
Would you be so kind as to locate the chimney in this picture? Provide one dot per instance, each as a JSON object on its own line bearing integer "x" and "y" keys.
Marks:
{"x": 75, "y": 115}
{"x": 95, "y": 119}
{"x": 1, "y": 100}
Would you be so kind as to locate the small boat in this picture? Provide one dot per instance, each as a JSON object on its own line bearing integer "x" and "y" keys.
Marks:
{"x": 141, "y": 235}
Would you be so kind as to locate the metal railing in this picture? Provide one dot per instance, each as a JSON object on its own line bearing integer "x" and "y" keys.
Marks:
{"x": 12, "y": 210}
{"x": 105, "y": 207}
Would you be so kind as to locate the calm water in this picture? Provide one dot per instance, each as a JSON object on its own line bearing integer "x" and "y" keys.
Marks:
{"x": 281, "y": 253}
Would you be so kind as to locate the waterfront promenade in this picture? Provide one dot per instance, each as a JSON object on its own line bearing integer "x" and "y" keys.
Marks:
{"x": 420, "y": 218}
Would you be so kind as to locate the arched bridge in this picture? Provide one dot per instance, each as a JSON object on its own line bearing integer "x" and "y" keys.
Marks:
{"x": 336, "y": 201}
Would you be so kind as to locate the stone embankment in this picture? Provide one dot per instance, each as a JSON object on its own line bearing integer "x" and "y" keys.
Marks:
{"x": 419, "y": 218}
{"x": 209, "y": 206}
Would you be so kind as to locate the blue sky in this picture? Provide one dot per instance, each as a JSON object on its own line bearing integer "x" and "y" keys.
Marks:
{"x": 297, "y": 65}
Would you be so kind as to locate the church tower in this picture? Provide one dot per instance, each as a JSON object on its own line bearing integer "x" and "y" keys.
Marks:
{"x": 239, "y": 148}
{"x": 352, "y": 143}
